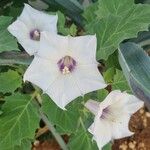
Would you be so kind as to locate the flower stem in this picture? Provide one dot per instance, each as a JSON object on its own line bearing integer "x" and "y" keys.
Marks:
{"x": 54, "y": 132}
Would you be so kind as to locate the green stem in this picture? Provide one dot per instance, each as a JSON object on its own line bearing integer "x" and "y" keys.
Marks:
{"x": 54, "y": 132}
{"x": 82, "y": 124}
{"x": 58, "y": 137}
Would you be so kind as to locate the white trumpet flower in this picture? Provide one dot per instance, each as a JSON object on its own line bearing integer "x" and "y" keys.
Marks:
{"x": 29, "y": 25}
{"x": 65, "y": 67}
{"x": 112, "y": 116}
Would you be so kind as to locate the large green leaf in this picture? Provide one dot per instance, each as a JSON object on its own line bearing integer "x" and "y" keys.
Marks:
{"x": 25, "y": 145}
{"x": 18, "y": 121}
{"x": 66, "y": 121}
{"x": 117, "y": 20}
{"x": 114, "y": 7}
{"x": 136, "y": 66}
{"x": 4, "y": 22}
{"x": 10, "y": 81}
{"x": 82, "y": 140}
{"x": 7, "y": 42}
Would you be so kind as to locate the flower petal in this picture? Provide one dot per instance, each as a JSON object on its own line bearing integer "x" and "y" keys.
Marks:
{"x": 21, "y": 32}
{"x": 41, "y": 73}
{"x": 29, "y": 21}
{"x": 25, "y": 16}
{"x": 120, "y": 128}
{"x": 88, "y": 78}
{"x": 132, "y": 103}
{"x": 112, "y": 98}
{"x": 93, "y": 106}
{"x": 30, "y": 17}
{"x": 83, "y": 48}
{"x": 101, "y": 132}
{"x": 52, "y": 46}
{"x": 63, "y": 90}
{"x": 91, "y": 128}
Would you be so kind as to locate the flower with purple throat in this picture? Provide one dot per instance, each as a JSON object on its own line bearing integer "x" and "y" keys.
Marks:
{"x": 112, "y": 116}
{"x": 65, "y": 67}
{"x": 29, "y": 25}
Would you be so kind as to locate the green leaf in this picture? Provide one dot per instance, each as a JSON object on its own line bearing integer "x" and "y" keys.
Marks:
{"x": 1, "y": 112}
{"x": 62, "y": 27}
{"x": 25, "y": 145}
{"x": 19, "y": 120}
{"x": 61, "y": 24}
{"x": 7, "y": 42}
{"x": 10, "y": 81}
{"x": 4, "y": 22}
{"x": 117, "y": 22}
{"x": 71, "y": 8}
{"x": 73, "y": 30}
{"x": 11, "y": 58}
{"x": 66, "y": 121}
{"x": 114, "y": 7}
{"x": 136, "y": 67}
{"x": 113, "y": 61}
{"x": 71, "y": 5}
{"x": 88, "y": 15}
{"x": 101, "y": 94}
{"x": 82, "y": 140}
{"x": 120, "y": 82}
{"x": 107, "y": 147}
{"x": 109, "y": 74}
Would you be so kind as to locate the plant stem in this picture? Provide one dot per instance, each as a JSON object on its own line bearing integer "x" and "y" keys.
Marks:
{"x": 54, "y": 132}
{"x": 50, "y": 126}
{"x": 82, "y": 124}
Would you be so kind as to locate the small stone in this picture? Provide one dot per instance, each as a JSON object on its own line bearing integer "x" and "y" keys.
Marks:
{"x": 148, "y": 114}
{"x": 141, "y": 145}
{"x": 123, "y": 147}
{"x": 36, "y": 143}
{"x": 134, "y": 142}
{"x": 142, "y": 111}
{"x": 145, "y": 122}
{"x": 131, "y": 145}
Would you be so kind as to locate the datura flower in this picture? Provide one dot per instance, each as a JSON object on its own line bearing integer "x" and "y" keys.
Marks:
{"x": 65, "y": 67}
{"x": 112, "y": 116}
{"x": 29, "y": 25}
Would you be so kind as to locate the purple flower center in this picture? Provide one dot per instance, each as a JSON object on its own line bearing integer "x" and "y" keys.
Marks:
{"x": 105, "y": 113}
{"x": 66, "y": 64}
{"x": 35, "y": 35}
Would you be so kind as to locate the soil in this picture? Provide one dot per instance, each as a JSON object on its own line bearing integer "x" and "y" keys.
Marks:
{"x": 139, "y": 123}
